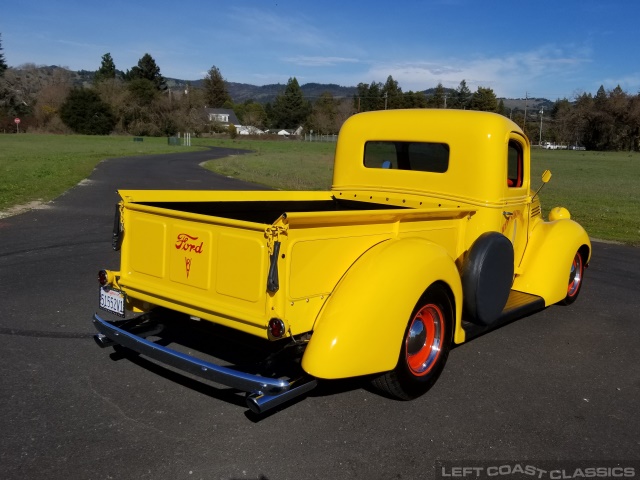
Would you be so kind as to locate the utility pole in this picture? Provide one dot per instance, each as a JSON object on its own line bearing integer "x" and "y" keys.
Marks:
{"x": 524, "y": 122}
{"x": 385, "y": 100}
{"x": 541, "y": 113}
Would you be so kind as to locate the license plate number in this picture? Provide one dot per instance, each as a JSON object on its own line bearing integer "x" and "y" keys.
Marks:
{"x": 112, "y": 300}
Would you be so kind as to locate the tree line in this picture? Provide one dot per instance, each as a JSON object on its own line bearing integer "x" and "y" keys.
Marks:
{"x": 138, "y": 102}
{"x": 610, "y": 120}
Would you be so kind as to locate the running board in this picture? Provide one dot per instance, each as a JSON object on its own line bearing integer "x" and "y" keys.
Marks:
{"x": 519, "y": 304}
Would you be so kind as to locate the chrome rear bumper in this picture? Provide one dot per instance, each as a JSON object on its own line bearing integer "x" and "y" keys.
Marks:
{"x": 263, "y": 393}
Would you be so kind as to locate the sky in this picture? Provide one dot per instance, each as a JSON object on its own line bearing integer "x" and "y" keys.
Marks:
{"x": 542, "y": 49}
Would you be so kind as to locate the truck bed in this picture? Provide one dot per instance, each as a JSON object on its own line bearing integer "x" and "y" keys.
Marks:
{"x": 213, "y": 255}
{"x": 267, "y": 212}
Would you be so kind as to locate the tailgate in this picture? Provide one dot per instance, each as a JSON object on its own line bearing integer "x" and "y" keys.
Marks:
{"x": 210, "y": 267}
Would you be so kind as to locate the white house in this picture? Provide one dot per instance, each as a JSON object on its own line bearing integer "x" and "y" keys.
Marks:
{"x": 224, "y": 116}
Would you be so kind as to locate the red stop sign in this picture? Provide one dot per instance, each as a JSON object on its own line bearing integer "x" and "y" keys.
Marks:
{"x": 17, "y": 121}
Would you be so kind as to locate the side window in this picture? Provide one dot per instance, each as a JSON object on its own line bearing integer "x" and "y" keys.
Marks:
{"x": 516, "y": 164}
{"x": 418, "y": 156}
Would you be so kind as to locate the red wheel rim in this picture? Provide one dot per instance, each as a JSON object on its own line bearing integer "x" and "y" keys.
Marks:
{"x": 423, "y": 343}
{"x": 575, "y": 276}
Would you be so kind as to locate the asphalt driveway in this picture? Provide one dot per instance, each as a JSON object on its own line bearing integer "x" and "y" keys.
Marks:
{"x": 561, "y": 385}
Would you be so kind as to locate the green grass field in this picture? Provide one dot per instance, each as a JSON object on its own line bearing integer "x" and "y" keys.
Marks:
{"x": 601, "y": 189}
{"x": 41, "y": 167}
{"x": 284, "y": 164}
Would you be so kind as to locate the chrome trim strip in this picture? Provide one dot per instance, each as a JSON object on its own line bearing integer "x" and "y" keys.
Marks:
{"x": 224, "y": 375}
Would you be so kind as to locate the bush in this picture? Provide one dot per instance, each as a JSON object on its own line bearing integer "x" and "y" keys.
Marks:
{"x": 140, "y": 128}
{"x": 84, "y": 112}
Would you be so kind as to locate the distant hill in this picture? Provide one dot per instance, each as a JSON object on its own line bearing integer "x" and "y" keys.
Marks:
{"x": 532, "y": 104}
{"x": 241, "y": 92}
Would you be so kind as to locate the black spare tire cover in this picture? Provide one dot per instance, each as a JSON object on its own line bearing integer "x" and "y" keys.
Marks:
{"x": 487, "y": 276}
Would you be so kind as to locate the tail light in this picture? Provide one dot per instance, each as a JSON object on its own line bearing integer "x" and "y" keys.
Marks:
{"x": 276, "y": 328}
{"x": 103, "y": 278}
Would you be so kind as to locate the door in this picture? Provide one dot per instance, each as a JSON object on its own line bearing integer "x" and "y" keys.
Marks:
{"x": 516, "y": 206}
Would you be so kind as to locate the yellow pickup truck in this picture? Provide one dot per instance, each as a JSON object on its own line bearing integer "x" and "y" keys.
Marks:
{"x": 431, "y": 234}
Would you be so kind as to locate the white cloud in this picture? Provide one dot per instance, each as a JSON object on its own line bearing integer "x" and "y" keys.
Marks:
{"x": 318, "y": 61}
{"x": 510, "y": 75}
{"x": 268, "y": 27}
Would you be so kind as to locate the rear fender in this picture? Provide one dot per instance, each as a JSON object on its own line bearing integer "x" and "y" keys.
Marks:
{"x": 546, "y": 264}
{"x": 360, "y": 329}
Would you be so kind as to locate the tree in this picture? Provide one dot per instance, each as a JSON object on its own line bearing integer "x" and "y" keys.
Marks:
{"x": 215, "y": 89}
{"x": 142, "y": 91}
{"x": 370, "y": 96}
{"x": 49, "y": 100}
{"x": 619, "y": 107}
{"x": 437, "y": 100}
{"x": 562, "y": 130}
{"x": 3, "y": 63}
{"x": 323, "y": 115}
{"x": 147, "y": 70}
{"x": 484, "y": 99}
{"x": 392, "y": 94}
{"x": 107, "y": 70}
{"x": 254, "y": 115}
{"x": 359, "y": 97}
{"x": 290, "y": 109}
{"x": 414, "y": 100}
{"x": 460, "y": 99}
{"x": 84, "y": 112}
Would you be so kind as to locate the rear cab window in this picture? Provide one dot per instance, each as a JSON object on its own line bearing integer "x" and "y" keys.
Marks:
{"x": 417, "y": 156}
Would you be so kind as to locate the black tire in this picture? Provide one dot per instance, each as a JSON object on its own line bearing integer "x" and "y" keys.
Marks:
{"x": 576, "y": 276}
{"x": 425, "y": 347}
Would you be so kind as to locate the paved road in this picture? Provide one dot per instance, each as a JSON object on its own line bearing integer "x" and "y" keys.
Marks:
{"x": 560, "y": 385}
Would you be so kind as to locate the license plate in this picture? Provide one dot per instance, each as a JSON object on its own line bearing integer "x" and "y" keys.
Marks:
{"x": 112, "y": 300}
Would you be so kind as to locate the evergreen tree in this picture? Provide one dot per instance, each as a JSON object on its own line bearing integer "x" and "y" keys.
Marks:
{"x": 290, "y": 109}
{"x": 414, "y": 100}
{"x": 3, "y": 63}
{"x": 484, "y": 99}
{"x": 501, "y": 110}
{"x": 215, "y": 89}
{"x": 142, "y": 91}
{"x": 601, "y": 97}
{"x": 147, "y": 69}
{"x": 107, "y": 70}
{"x": 84, "y": 112}
{"x": 360, "y": 98}
{"x": 461, "y": 97}
{"x": 437, "y": 99}
{"x": 392, "y": 94}
{"x": 371, "y": 96}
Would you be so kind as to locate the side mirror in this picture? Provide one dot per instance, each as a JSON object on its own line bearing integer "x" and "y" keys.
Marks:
{"x": 546, "y": 176}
